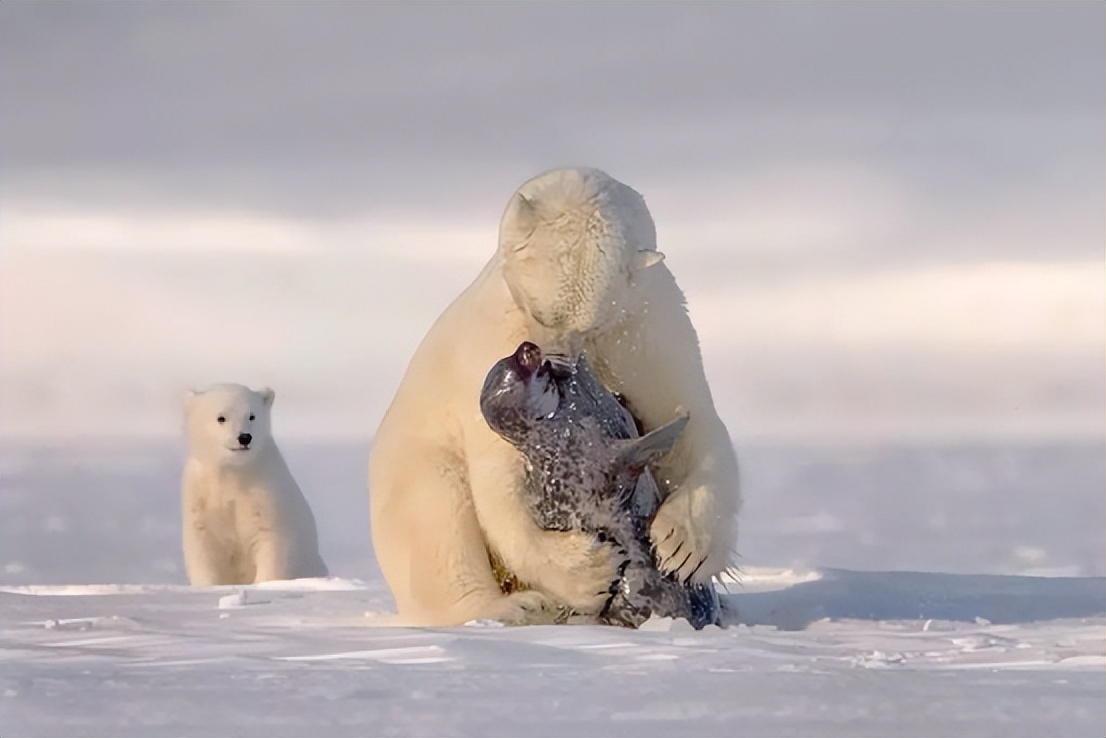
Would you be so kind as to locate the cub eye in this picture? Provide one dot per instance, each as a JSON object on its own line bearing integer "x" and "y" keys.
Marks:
{"x": 251, "y": 417}
{"x": 221, "y": 419}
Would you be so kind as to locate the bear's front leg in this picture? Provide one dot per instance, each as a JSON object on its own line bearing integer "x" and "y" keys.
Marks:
{"x": 694, "y": 533}
{"x": 203, "y": 563}
{"x": 206, "y": 562}
{"x": 271, "y": 558}
{"x": 653, "y": 359}
{"x": 683, "y": 535}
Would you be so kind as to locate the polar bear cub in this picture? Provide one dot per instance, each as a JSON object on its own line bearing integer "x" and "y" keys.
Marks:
{"x": 245, "y": 519}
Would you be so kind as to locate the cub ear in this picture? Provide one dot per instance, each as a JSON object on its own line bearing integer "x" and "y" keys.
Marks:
{"x": 190, "y": 398}
{"x": 268, "y": 394}
{"x": 647, "y": 258}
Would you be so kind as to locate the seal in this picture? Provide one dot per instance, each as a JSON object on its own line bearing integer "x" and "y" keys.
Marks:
{"x": 588, "y": 469}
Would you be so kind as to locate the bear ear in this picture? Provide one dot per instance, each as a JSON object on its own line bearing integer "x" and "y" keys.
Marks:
{"x": 519, "y": 221}
{"x": 268, "y": 394}
{"x": 190, "y": 398}
{"x": 647, "y": 258}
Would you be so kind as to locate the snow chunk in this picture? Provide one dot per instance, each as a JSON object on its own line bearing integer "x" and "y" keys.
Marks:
{"x": 240, "y": 599}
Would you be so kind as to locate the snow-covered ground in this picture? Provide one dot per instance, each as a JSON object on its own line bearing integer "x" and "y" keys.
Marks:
{"x": 101, "y": 637}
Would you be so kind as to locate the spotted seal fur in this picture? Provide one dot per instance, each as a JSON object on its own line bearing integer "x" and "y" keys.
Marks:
{"x": 588, "y": 470}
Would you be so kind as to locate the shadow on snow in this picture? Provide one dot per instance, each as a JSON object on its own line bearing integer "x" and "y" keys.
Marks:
{"x": 908, "y": 595}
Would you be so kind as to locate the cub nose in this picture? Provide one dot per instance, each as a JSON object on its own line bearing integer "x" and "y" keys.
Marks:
{"x": 244, "y": 439}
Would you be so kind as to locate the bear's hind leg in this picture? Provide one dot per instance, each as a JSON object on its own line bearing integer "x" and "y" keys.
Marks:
{"x": 431, "y": 548}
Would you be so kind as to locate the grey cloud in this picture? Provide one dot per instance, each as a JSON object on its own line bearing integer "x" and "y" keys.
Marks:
{"x": 331, "y": 110}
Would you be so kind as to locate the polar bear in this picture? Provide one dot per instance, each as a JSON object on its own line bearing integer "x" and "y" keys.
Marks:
{"x": 245, "y": 519}
{"x": 576, "y": 270}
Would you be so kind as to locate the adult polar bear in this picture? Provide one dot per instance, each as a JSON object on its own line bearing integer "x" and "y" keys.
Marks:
{"x": 577, "y": 267}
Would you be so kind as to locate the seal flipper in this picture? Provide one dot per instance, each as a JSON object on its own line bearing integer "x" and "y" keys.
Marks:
{"x": 560, "y": 366}
{"x": 637, "y": 453}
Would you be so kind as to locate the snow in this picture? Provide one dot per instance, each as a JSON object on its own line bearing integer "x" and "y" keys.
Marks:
{"x": 101, "y": 636}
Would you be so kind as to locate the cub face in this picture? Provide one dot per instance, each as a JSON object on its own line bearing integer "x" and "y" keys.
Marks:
{"x": 229, "y": 424}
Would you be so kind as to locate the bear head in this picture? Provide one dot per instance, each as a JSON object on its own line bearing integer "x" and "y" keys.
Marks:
{"x": 228, "y": 424}
{"x": 572, "y": 241}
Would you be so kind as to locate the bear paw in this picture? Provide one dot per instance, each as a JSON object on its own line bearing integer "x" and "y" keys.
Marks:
{"x": 525, "y": 608}
{"x": 681, "y": 541}
{"x": 583, "y": 571}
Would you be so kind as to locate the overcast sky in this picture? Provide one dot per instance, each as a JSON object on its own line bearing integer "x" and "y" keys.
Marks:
{"x": 888, "y": 217}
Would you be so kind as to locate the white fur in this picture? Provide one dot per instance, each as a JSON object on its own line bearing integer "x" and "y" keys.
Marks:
{"x": 245, "y": 519}
{"x": 576, "y": 269}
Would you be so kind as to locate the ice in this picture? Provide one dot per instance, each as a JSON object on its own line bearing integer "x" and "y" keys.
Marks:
{"x": 102, "y": 636}
{"x": 307, "y": 662}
